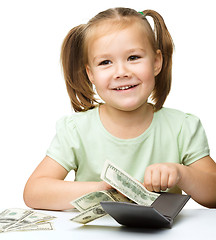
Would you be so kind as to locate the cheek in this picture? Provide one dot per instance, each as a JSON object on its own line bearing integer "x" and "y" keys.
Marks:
{"x": 146, "y": 73}
{"x": 99, "y": 83}
{"x": 101, "y": 79}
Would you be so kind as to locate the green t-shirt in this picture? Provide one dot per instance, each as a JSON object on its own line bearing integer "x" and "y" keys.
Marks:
{"x": 83, "y": 144}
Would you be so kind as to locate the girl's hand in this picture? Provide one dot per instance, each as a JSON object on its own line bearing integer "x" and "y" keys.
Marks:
{"x": 161, "y": 176}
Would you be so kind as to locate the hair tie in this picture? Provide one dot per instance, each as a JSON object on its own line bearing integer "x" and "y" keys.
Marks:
{"x": 144, "y": 15}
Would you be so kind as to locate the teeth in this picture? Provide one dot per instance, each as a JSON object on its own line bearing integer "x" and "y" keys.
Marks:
{"x": 123, "y": 88}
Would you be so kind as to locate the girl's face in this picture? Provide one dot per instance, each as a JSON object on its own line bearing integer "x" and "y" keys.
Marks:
{"x": 123, "y": 66}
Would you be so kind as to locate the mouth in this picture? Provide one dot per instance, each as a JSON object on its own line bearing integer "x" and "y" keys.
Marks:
{"x": 124, "y": 87}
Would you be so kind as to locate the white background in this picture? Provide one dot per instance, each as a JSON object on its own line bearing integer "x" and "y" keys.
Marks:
{"x": 32, "y": 90}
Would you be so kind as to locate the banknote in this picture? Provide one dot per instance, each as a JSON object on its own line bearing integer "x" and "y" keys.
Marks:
{"x": 39, "y": 226}
{"x": 92, "y": 199}
{"x": 127, "y": 185}
{"x": 16, "y": 219}
{"x": 32, "y": 219}
{"x": 9, "y": 217}
{"x": 90, "y": 214}
{"x": 89, "y": 204}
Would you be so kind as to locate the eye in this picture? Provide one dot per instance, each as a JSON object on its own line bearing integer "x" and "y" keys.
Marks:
{"x": 105, "y": 62}
{"x": 133, "y": 57}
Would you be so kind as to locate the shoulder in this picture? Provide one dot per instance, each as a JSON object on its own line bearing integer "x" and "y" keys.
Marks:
{"x": 76, "y": 120}
{"x": 177, "y": 121}
{"x": 176, "y": 116}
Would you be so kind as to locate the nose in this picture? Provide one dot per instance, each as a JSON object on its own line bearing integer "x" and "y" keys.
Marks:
{"x": 121, "y": 71}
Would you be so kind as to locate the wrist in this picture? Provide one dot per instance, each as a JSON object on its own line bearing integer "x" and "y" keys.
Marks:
{"x": 102, "y": 186}
{"x": 182, "y": 169}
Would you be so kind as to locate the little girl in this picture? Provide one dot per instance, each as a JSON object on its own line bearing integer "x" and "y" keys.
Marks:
{"x": 118, "y": 54}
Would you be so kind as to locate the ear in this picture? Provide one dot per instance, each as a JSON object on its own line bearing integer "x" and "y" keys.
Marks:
{"x": 89, "y": 73}
{"x": 158, "y": 62}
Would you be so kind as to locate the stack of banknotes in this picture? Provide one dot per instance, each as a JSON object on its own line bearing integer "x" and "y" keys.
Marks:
{"x": 125, "y": 189}
{"x": 17, "y": 219}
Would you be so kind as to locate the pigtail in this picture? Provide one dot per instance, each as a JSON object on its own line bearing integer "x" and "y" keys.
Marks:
{"x": 78, "y": 85}
{"x": 164, "y": 43}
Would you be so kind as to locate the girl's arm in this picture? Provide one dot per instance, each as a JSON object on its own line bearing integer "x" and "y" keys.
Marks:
{"x": 197, "y": 179}
{"x": 46, "y": 188}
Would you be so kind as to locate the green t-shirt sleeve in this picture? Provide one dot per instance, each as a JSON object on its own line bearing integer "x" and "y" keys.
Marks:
{"x": 63, "y": 144}
{"x": 192, "y": 140}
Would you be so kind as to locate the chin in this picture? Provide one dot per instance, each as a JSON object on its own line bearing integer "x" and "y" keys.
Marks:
{"x": 130, "y": 107}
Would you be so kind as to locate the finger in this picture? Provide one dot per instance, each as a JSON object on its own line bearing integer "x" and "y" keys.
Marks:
{"x": 147, "y": 179}
{"x": 156, "y": 180}
{"x": 164, "y": 181}
{"x": 172, "y": 180}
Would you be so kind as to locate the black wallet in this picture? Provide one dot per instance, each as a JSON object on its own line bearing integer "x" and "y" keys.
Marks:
{"x": 160, "y": 214}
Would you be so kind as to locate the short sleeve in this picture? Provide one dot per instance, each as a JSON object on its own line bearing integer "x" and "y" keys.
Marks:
{"x": 192, "y": 140}
{"x": 62, "y": 146}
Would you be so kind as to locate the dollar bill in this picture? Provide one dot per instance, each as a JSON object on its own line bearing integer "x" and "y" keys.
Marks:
{"x": 127, "y": 185}
{"x": 33, "y": 219}
{"x": 9, "y": 217}
{"x": 16, "y": 219}
{"x": 89, "y": 204}
{"x": 39, "y": 227}
{"x": 90, "y": 214}
{"x": 92, "y": 199}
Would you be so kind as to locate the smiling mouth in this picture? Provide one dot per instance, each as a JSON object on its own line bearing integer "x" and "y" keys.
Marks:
{"x": 125, "y": 87}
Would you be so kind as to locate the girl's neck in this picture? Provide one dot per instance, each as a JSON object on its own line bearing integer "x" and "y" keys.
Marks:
{"x": 126, "y": 125}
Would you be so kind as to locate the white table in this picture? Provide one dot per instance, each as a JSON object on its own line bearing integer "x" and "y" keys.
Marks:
{"x": 189, "y": 224}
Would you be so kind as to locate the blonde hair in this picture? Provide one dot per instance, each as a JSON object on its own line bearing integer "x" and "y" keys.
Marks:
{"x": 74, "y": 56}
